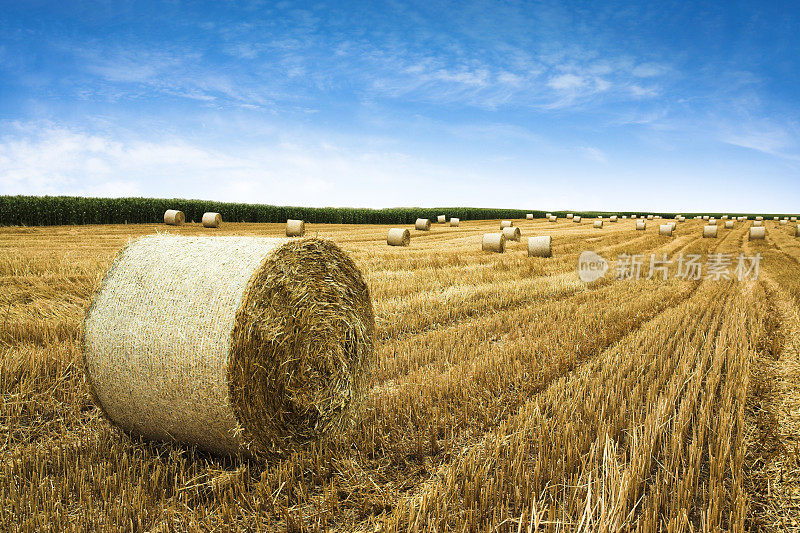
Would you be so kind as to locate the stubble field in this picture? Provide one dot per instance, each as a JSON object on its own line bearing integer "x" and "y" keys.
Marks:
{"x": 508, "y": 394}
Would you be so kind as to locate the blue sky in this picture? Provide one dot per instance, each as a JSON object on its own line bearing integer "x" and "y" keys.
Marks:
{"x": 672, "y": 106}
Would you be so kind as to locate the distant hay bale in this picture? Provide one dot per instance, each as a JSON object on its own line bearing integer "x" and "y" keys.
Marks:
{"x": 758, "y": 233}
{"x": 441, "y": 219}
{"x": 576, "y": 219}
{"x": 548, "y": 215}
{"x": 212, "y": 220}
{"x": 793, "y": 219}
{"x": 454, "y": 222}
{"x": 598, "y": 224}
{"x": 712, "y": 222}
{"x": 529, "y": 216}
{"x": 665, "y": 229}
{"x": 506, "y": 224}
{"x": 709, "y": 232}
{"x": 776, "y": 218}
{"x": 758, "y": 223}
{"x": 633, "y": 217}
{"x": 295, "y": 228}
{"x": 422, "y": 224}
{"x": 724, "y": 217}
{"x": 706, "y": 217}
{"x": 398, "y": 237}
{"x": 540, "y": 246}
{"x": 759, "y": 218}
{"x": 729, "y": 224}
{"x": 649, "y": 217}
{"x": 173, "y": 217}
{"x": 624, "y": 217}
{"x": 599, "y": 217}
{"x": 494, "y": 242}
{"x": 784, "y": 222}
{"x": 244, "y": 345}
{"x": 641, "y": 225}
{"x": 552, "y": 218}
{"x": 511, "y": 234}
{"x": 570, "y": 216}
{"x": 612, "y": 218}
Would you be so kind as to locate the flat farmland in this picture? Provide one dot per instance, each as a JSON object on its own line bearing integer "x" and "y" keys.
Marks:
{"x": 508, "y": 395}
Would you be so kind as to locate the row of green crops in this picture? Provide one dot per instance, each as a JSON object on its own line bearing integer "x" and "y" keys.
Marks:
{"x": 68, "y": 210}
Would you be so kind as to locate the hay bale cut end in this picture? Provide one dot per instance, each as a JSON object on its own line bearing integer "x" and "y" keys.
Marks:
{"x": 493, "y": 242}
{"x": 666, "y": 230}
{"x": 252, "y": 346}
{"x": 454, "y": 222}
{"x": 729, "y": 224}
{"x": 506, "y": 224}
{"x": 540, "y": 246}
{"x": 212, "y": 220}
{"x": 441, "y": 219}
{"x": 295, "y": 228}
{"x": 512, "y": 234}
{"x": 173, "y": 217}
{"x": 398, "y": 237}
{"x": 422, "y": 224}
{"x": 709, "y": 232}
{"x": 758, "y": 223}
{"x": 598, "y": 224}
{"x": 529, "y": 216}
{"x": 758, "y": 233}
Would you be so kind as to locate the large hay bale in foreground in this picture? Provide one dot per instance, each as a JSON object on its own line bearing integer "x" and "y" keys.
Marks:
{"x": 212, "y": 220}
{"x": 441, "y": 219}
{"x": 758, "y": 233}
{"x": 398, "y": 237}
{"x": 709, "y": 232}
{"x": 422, "y": 224}
{"x": 540, "y": 246}
{"x": 529, "y": 216}
{"x": 173, "y": 217}
{"x": 641, "y": 225}
{"x": 233, "y": 344}
{"x": 506, "y": 224}
{"x": 295, "y": 228}
{"x": 666, "y": 229}
{"x": 511, "y": 234}
{"x": 493, "y": 242}
{"x": 454, "y": 222}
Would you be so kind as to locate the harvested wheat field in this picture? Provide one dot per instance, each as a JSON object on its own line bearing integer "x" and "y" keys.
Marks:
{"x": 506, "y": 393}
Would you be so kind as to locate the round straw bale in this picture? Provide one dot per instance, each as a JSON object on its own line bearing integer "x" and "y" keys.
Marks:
{"x": 666, "y": 229}
{"x": 212, "y": 220}
{"x": 243, "y": 345}
{"x": 649, "y": 217}
{"x": 398, "y": 237}
{"x": 758, "y": 223}
{"x": 706, "y": 217}
{"x": 784, "y": 222}
{"x": 624, "y": 217}
{"x": 422, "y": 224}
{"x": 529, "y": 216}
{"x": 454, "y": 221}
{"x": 173, "y": 217}
{"x": 641, "y": 225}
{"x": 724, "y": 217}
{"x": 759, "y": 218}
{"x": 598, "y": 224}
{"x": 552, "y": 218}
{"x": 729, "y": 224}
{"x": 793, "y": 219}
{"x": 576, "y": 219}
{"x": 295, "y": 228}
{"x": 494, "y": 242}
{"x": 441, "y": 219}
{"x": 709, "y": 232}
{"x": 758, "y": 233}
{"x": 506, "y": 224}
{"x": 548, "y": 215}
{"x": 712, "y": 222}
{"x": 540, "y": 246}
{"x": 776, "y": 218}
{"x": 633, "y": 217}
{"x": 613, "y": 218}
{"x": 599, "y": 217}
{"x": 511, "y": 234}
{"x": 570, "y": 215}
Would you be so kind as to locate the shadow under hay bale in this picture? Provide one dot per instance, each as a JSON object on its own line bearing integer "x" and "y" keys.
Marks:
{"x": 245, "y": 345}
